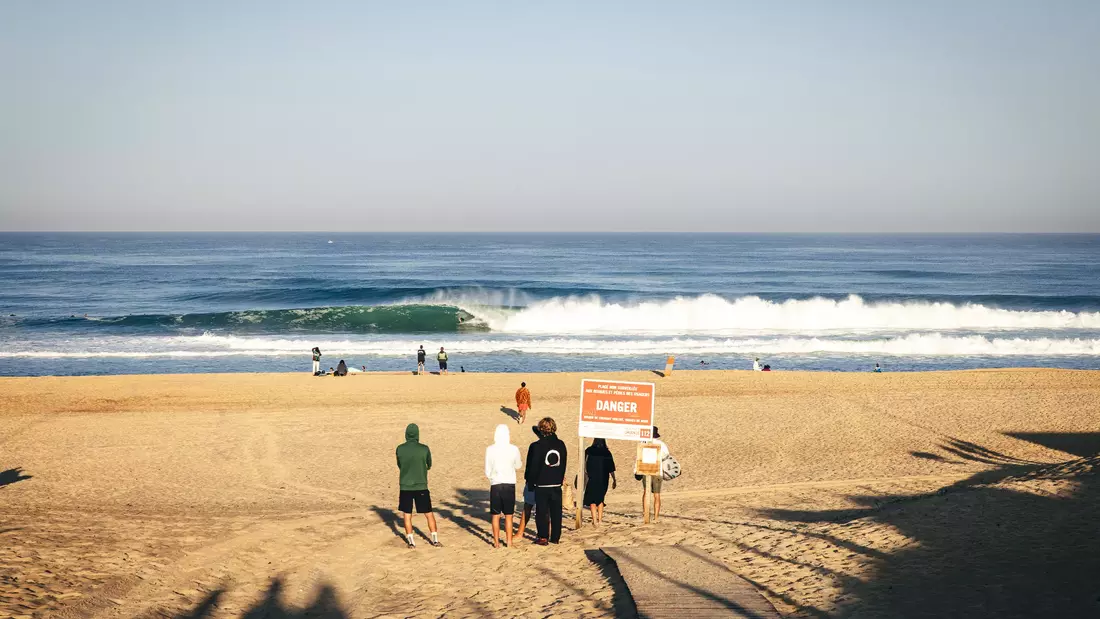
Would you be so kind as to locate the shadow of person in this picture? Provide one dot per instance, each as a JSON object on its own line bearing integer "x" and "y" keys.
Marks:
{"x": 470, "y": 510}
{"x": 396, "y": 522}
{"x": 11, "y": 476}
{"x": 511, "y": 412}
{"x": 325, "y": 605}
{"x": 994, "y": 545}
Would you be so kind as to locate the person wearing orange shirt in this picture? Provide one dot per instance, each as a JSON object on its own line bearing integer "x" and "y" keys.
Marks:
{"x": 523, "y": 402}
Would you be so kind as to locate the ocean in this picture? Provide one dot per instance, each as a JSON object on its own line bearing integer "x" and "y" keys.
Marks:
{"x": 167, "y": 303}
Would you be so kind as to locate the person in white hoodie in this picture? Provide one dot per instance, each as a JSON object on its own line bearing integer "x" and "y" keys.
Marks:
{"x": 502, "y": 460}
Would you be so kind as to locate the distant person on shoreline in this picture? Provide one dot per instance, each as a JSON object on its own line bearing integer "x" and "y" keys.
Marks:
{"x": 414, "y": 460}
{"x": 421, "y": 357}
{"x": 523, "y": 402}
{"x": 545, "y": 472}
{"x": 877, "y": 369}
{"x": 442, "y": 358}
{"x": 316, "y": 361}
{"x": 599, "y": 464}
{"x": 756, "y": 365}
{"x": 341, "y": 368}
{"x": 502, "y": 460}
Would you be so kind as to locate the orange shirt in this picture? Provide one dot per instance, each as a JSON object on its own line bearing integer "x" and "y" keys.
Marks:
{"x": 523, "y": 397}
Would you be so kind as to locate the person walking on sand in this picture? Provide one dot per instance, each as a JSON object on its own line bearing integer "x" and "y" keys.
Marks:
{"x": 421, "y": 357}
{"x": 545, "y": 473}
{"x": 502, "y": 460}
{"x": 523, "y": 402}
{"x": 599, "y": 464}
{"x": 442, "y": 358}
{"x": 656, "y": 483}
{"x": 414, "y": 460}
{"x": 316, "y": 361}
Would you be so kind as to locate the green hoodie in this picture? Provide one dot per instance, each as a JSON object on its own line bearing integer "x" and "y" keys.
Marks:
{"x": 414, "y": 460}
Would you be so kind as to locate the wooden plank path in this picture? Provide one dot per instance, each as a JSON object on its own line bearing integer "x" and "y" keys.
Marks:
{"x": 685, "y": 581}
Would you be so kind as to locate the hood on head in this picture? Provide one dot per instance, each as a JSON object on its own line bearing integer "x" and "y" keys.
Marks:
{"x": 412, "y": 432}
{"x": 503, "y": 435}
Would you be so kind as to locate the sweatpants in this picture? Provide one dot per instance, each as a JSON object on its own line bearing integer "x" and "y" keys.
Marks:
{"x": 548, "y": 513}
{"x": 316, "y": 366}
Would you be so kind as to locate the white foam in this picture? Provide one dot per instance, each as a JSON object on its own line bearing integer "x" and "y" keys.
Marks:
{"x": 916, "y": 344}
{"x": 711, "y": 314}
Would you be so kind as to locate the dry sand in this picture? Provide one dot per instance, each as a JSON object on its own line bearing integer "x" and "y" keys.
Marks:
{"x": 933, "y": 494}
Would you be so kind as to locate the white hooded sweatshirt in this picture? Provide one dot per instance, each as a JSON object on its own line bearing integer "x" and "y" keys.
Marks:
{"x": 502, "y": 458}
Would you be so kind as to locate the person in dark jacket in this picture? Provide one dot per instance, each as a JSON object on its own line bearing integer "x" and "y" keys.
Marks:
{"x": 544, "y": 474}
{"x": 414, "y": 460}
{"x": 599, "y": 465}
{"x": 341, "y": 368}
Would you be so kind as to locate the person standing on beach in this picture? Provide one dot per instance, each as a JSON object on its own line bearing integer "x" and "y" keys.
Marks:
{"x": 421, "y": 357}
{"x": 545, "y": 474}
{"x": 528, "y": 499}
{"x": 655, "y": 485}
{"x": 502, "y": 460}
{"x": 442, "y": 358}
{"x": 414, "y": 460}
{"x": 523, "y": 402}
{"x": 599, "y": 464}
{"x": 316, "y": 361}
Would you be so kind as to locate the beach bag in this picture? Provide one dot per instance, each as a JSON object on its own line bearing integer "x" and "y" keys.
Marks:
{"x": 670, "y": 468}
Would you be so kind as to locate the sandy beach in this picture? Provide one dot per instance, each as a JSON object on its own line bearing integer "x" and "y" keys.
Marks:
{"x": 935, "y": 494}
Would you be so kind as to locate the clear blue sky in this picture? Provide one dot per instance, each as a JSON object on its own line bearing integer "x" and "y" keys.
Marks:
{"x": 980, "y": 115}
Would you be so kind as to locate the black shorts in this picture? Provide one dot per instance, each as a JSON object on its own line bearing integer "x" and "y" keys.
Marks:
{"x": 443, "y": 366}
{"x": 421, "y": 498}
{"x": 502, "y": 499}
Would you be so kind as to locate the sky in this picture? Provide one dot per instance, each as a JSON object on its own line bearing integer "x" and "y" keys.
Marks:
{"x": 800, "y": 116}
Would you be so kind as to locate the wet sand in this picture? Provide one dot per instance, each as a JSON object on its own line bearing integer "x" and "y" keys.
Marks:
{"x": 925, "y": 494}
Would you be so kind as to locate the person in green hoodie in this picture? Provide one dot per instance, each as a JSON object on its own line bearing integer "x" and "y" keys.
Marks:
{"x": 414, "y": 460}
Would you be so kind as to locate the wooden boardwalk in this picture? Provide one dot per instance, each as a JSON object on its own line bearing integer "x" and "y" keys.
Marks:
{"x": 685, "y": 581}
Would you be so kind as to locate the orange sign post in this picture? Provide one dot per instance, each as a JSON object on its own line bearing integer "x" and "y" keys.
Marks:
{"x": 612, "y": 409}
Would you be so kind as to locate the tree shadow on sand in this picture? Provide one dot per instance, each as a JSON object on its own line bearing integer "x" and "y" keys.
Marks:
{"x": 982, "y": 549}
{"x": 325, "y": 605}
{"x": 11, "y": 476}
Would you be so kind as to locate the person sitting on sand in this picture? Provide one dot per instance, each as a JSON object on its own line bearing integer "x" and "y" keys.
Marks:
{"x": 316, "y": 361}
{"x": 877, "y": 369}
{"x": 414, "y": 460}
{"x": 523, "y": 402}
{"x": 599, "y": 464}
{"x": 341, "y": 368}
{"x": 502, "y": 460}
{"x": 442, "y": 358}
{"x": 756, "y": 365}
{"x": 655, "y": 485}
{"x": 545, "y": 472}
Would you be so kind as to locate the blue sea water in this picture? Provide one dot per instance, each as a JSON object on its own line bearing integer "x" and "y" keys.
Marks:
{"x": 151, "y": 303}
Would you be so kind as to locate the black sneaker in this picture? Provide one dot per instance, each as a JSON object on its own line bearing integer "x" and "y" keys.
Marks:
{"x": 437, "y": 544}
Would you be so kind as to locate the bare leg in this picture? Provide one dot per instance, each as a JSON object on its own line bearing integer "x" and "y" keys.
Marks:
{"x": 656, "y": 507}
{"x": 431, "y": 522}
{"x": 523, "y": 520}
{"x": 507, "y": 530}
{"x": 408, "y": 523}
{"x": 595, "y": 516}
{"x": 643, "y": 503}
{"x": 496, "y": 531}
{"x": 599, "y": 513}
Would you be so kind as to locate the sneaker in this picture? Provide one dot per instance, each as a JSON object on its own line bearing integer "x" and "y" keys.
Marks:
{"x": 409, "y": 544}
{"x": 437, "y": 544}
{"x": 542, "y": 541}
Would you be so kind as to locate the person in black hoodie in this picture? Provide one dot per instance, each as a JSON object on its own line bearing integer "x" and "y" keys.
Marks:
{"x": 545, "y": 473}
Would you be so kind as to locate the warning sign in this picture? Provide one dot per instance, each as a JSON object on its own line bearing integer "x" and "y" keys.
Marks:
{"x": 616, "y": 409}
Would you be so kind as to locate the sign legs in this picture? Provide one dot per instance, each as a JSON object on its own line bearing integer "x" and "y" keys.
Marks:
{"x": 580, "y": 485}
